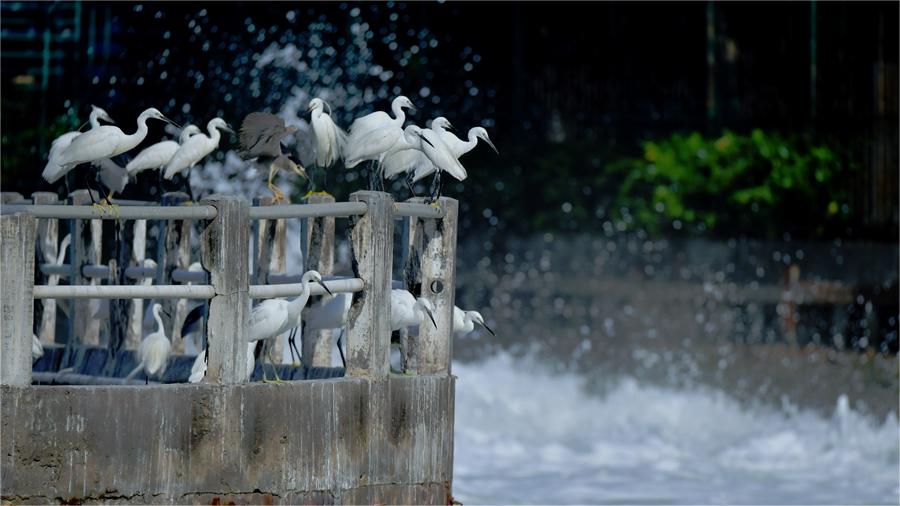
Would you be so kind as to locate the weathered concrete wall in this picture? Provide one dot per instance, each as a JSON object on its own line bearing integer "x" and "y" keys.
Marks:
{"x": 348, "y": 440}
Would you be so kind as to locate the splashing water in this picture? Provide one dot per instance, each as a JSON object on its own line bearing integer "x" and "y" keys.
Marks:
{"x": 526, "y": 436}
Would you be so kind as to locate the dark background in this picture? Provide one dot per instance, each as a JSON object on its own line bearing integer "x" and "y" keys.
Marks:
{"x": 591, "y": 80}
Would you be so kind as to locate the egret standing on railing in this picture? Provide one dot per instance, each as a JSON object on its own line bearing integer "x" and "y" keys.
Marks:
{"x": 273, "y": 317}
{"x": 160, "y": 154}
{"x": 260, "y": 139}
{"x": 372, "y": 135}
{"x": 154, "y": 350}
{"x": 440, "y": 155}
{"x": 330, "y": 139}
{"x": 53, "y": 170}
{"x": 106, "y": 141}
{"x": 458, "y": 147}
{"x": 195, "y": 149}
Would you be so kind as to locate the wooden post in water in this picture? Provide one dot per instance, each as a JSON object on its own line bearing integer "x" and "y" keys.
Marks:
{"x": 433, "y": 243}
{"x": 224, "y": 247}
{"x": 371, "y": 239}
{"x": 47, "y": 243}
{"x": 17, "y": 269}
{"x": 134, "y": 332}
{"x": 87, "y": 240}
{"x": 176, "y": 255}
{"x": 320, "y": 248}
{"x": 270, "y": 255}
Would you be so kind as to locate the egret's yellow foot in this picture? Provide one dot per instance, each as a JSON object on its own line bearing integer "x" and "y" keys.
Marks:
{"x": 435, "y": 204}
{"x": 320, "y": 193}
{"x": 296, "y": 364}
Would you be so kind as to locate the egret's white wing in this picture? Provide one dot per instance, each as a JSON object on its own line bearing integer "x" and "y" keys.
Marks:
{"x": 441, "y": 156}
{"x": 191, "y": 152}
{"x": 372, "y": 145}
{"x": 405, "y": 161}
{"x": 157, "y": 352}
{"x": 268, "y": 319}
{"x": 54, "y": 170}
{"x": 153, "y": 157}
{"x": 95, "y": 144}
{"x": 198, "y": 370}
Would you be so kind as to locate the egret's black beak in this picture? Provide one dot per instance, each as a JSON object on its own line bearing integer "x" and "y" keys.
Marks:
{"x": 309, "y": 109}
{"x": 488, "y": 329}
{"x": 431, "y": 316}
{"x": 167, "y": 120}
{"x": 325, "y": 287}
{"x": 229, "y": 128}
{"x": 426, "y": 140}
{"x": 491, "y": 144}
{"x": 450, "y": 126}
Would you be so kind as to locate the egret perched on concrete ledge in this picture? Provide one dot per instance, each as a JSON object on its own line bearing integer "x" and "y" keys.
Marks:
{"x": 160, "y": 154}
{"x": 330, "y": 139}
{"x": 53, "y": 170}
{"x": 273, "y": 317}
{"x": 407, "y": 311}
{"x": 195, "y": 149}
{"x": 154, "y": 350}
{"x": 440, "y": 155}
{"x": 260, "y": 139}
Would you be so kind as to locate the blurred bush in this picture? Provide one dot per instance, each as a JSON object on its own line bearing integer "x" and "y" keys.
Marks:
{"x": 762, "y": 184}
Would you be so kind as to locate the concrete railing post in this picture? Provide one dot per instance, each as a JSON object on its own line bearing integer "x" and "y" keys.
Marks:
{"x": 225, "y": 251}
{"x": 17, "y": 268}
{"x": 320, "y": 251}
{"x": 433, "y": 242}
{"x": 369, "y": 326}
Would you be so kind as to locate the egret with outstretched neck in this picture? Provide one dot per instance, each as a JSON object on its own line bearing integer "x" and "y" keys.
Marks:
{"x": 464, "y": 321}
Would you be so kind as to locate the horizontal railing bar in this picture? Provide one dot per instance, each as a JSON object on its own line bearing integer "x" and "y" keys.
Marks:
{"x": 124, "y": 292}
{"x": 104, "y": 272}
{"x": 338, "y": 209}
{"x": 284, "y": 279}
{"x": 195, "y": 212}
{"x": 348, "y": 285}
{"x": 403, "y": 209}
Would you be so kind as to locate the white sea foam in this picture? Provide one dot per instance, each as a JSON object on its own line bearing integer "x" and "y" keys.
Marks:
{"x": 524, "y": 435}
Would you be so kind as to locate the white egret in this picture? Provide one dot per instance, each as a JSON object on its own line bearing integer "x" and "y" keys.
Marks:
{"x": 378, "y": 119}
{"x": 330, "y": 139}
{"x": 464, "y": 321}
{"x": 113, "y": 176}
{"x": 198, "y": 370}
{"x": 154, "y": 350}
{"x": 328, "y": 314}
{"x": 37, "y": 349}
{"x": 195, "y": 149}
{"x": 53, "y": 170}
{"x": 273, "y": 317}
{"x": 457, "y": 146}
{"x": 160, "y": 154}
{"x": 440, "y": 155}
{"x": 407, "y": 311}
{"x": 107, "y": 141}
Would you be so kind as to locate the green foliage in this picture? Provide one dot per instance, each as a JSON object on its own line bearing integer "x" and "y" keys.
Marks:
{"x": 761, "y": 184}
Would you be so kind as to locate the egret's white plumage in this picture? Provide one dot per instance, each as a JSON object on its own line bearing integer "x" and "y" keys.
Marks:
{"x": 457, "y": 146}
{"x": 53, "y": 170}
{"x": 106, "y": 141}
{"x": 53, "y": 280}
{"x": 440, "y": 155}
{"x": 112, "y": 175}
{"x": 329, "y": 314}
{"x": 407, "y": 311}
{"x": 154, "y": 350}
{"x": 196, "y": 148}
{"x": 330, "y": 139}
{"x": 273, "y": 317}
{"x": 160, "y": 154}
{"x": 373, "y": 134}
{"x": 198, "y": 370}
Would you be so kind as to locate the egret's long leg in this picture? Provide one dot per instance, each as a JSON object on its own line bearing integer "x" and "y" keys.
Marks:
{"x": 341, "y": 348}
{"x": 292, "y": 344}
{"x": 409, "y": 184}
{"x": 435, "y": 186}
{"x": 187, "y": 182}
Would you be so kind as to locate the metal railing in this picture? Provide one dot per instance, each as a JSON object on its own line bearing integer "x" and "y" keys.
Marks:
{"x": 224, "y": 224}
